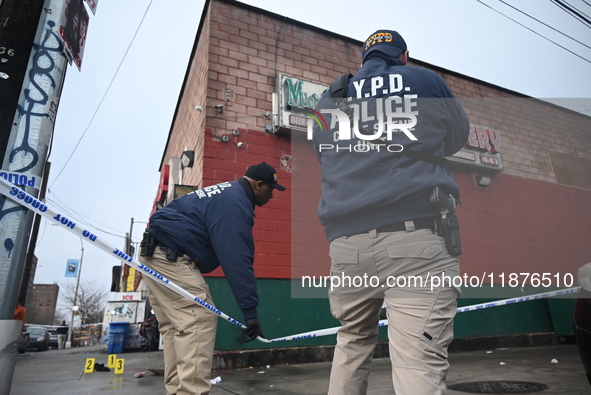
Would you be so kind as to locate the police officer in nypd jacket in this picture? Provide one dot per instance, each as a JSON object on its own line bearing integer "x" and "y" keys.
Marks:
{"x": 377, "y": 215}
{"x": 195, "y": 234}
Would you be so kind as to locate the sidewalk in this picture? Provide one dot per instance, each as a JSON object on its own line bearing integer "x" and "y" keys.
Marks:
{"x": 61, "y": 372}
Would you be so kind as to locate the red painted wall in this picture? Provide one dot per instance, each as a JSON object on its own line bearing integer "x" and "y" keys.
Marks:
{"x": 521, "y": 225}
{"x": 515, "y": 225}
{"x": 272, "y": 233}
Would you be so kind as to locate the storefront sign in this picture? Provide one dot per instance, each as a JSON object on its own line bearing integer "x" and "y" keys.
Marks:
{"x": 482, "y": 151}
{"x": 127, "y": 296}
{"x": 293, "y": 95}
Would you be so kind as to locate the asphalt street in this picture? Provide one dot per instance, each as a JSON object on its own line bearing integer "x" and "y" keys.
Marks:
{"x": 557, "y": 369}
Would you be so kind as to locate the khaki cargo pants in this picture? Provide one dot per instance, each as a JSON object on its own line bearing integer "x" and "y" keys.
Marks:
{"x": 188, "y": 330}
{"x": 398, "y": 268}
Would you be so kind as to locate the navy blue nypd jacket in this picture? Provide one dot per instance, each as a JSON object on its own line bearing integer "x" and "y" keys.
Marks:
{"x": 367, "y": 185}
{"x": 213, "y": 226}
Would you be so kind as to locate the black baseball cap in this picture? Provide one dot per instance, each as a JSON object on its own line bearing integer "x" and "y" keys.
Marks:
{"x": 266, "y": 173}
{"x": 389, "y": 42}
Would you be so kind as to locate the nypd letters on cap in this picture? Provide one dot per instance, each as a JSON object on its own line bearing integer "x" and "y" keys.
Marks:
{"x": 388, "y": 42}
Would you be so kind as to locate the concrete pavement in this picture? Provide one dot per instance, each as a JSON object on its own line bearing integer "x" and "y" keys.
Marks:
{"x": 56, "y": 372}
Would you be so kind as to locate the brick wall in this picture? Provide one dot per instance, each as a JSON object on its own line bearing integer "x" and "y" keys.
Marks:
{"x": 187, "y": 132}
{"x": 523, "y": 222}
{"x": 530, "y": 128}
{"x": 518, "y": 225}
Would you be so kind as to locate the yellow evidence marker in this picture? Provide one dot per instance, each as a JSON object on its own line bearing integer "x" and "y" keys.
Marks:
{"x": 119, "y": 366}
{"x": 111, "y": 361}
{"x": 89, "y": 365}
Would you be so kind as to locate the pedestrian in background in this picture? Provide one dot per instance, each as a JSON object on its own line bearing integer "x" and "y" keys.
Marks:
{"x": 20, "y": 314}
{"x": 62, "y": 335}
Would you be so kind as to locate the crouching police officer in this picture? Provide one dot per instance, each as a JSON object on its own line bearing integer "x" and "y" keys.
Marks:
{"x": 195, "y": 234}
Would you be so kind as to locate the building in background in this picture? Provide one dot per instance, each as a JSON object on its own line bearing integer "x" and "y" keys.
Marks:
{"x": 27, "y": 282}
{"x": 525, "y": 176}
{"x": 41, "y": 304}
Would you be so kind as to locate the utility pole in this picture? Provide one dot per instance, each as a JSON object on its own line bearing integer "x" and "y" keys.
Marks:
{"x": 22, "y": 295}
{"x": 32, "y": 71}
{"x": 18, "y": 26}
{"x": 71, "y": 329}
{"x": 129, "y": 250}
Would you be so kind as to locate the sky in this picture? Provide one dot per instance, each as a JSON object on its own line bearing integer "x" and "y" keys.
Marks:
{"x": 115, "y": 114}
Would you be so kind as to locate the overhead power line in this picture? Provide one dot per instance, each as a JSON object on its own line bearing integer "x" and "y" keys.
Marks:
{"x": 573, "y": 11}
{"x": 588, "y": 17}
{"x": 533, "y": 31}
{"x": 545, "y": 24}
{"x": 104, "y": 96}
{"x": 83, "y": 219}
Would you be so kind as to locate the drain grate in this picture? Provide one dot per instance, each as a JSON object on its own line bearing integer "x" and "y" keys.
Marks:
{"x": 499, "y": 387}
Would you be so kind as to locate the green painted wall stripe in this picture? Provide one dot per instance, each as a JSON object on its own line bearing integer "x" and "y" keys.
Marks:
{"x": 281, "y": 315}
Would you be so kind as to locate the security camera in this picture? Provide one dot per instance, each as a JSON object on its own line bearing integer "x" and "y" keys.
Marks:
{"x": 224, "y": 138}
{"x": 240, "y": 144}
{"x": 199, "y": 108}
{"x": 235, "y": 132}
{"x": 220, "y": 107}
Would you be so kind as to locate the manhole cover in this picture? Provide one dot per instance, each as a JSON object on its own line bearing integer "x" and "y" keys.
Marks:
{"x": 499, "y": 387}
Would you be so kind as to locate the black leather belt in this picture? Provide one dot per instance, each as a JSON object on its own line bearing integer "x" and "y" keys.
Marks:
{"x": 170, "y": 254}
{"x": 158, "y": 243}
{"x": 421, "y": 223}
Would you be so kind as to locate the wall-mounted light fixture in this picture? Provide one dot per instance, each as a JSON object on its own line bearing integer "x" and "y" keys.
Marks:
{"x": 482, "y": 180}
{"x": 187, "y": 159}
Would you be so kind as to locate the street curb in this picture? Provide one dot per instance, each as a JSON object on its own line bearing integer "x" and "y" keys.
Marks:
{"x": 243, "y": 359}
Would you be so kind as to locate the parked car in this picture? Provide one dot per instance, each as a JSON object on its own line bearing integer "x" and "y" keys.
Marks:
{"x": 53, "y": 342}
{"x": 38, "y": 338}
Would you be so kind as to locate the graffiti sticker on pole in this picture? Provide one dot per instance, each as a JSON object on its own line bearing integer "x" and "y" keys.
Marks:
{"x": 92, "y": 4}
{"x": 73, "y": 32}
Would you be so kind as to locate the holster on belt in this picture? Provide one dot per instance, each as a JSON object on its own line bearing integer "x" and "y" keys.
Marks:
{"x": 448, "y": 225}
{"x": 170, "y": 254}
{"x": 148, "y": 244}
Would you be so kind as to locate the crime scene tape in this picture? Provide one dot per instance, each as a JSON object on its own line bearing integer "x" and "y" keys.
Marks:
{"x": 21, "y": 197}
{"x": 543, "y": 295}
{"x": 334, "y": 330}
{"x": 21, "y": 179}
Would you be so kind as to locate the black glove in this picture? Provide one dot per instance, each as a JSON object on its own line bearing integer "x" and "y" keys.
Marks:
{"x": 253, "y": 329}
